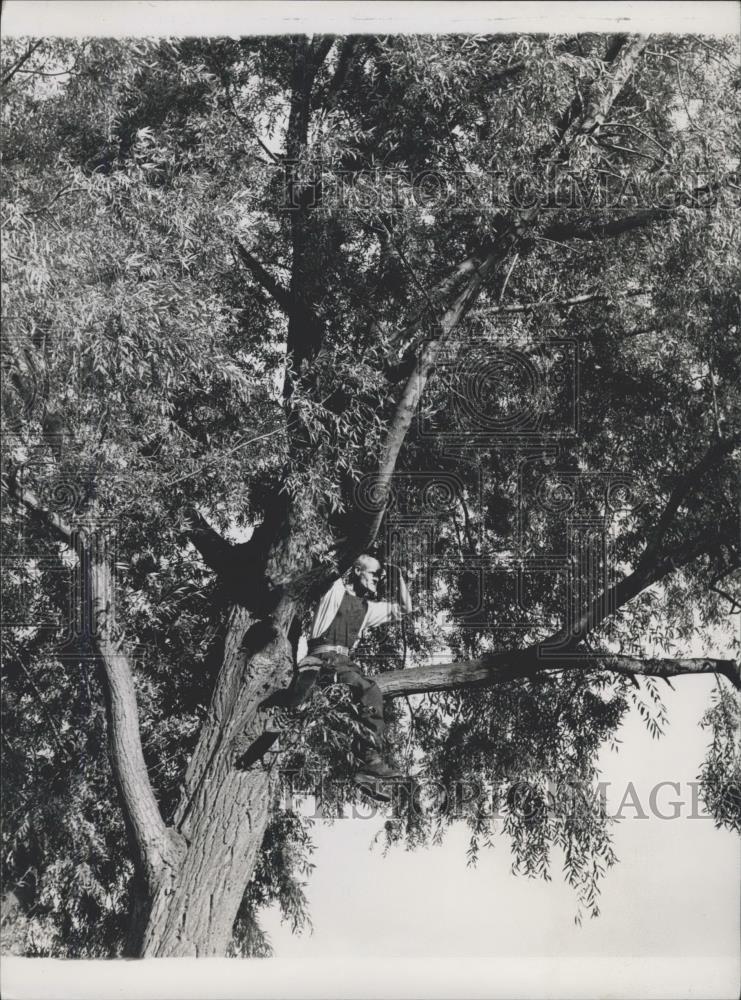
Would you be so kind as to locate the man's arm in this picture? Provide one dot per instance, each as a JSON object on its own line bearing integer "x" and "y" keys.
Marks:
{"x": 328, "y": 608}
{"x": 405, "y": 598}
{"x": 380, "y": 612}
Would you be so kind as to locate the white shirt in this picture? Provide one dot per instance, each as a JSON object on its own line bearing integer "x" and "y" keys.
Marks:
{"x": 378, "y": 613}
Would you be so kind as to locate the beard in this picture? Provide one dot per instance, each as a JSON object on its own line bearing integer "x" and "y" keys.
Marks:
{"x": 362, "y": 591}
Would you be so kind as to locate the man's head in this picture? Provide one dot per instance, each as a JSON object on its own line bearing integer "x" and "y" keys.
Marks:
{"x": 366, "y": 572}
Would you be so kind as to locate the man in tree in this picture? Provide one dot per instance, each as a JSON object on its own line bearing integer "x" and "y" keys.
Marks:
{"x": 344, "y": 614}
{"x": 158, "y": 390}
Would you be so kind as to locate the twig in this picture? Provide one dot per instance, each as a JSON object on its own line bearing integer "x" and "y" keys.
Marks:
{"x": 19, "y": 62}
{"x": 250, "y": 128}
{"x": 646, "y": 135}
{"x": 557, "y": 243}
{"x": 39, "y": 72}
{"x": 220, "y": 458}
{"x": 633, "y": 152}
{"x": 575, "y": 300}
{"x": 509, "y": 274}
{"x": 721, "y": 60}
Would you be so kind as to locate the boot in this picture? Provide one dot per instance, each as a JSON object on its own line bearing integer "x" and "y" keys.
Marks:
{"x": 374, "y": 768}
{"x": 372, "y": 791}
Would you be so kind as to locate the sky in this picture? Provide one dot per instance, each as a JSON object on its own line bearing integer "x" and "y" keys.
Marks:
{"x": 422, "y": 925}
{"x": 225, "y": 17}
{"x": 674, "y": 892}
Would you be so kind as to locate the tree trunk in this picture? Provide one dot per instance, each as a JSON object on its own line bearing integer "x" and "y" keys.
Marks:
{"x": 224, "y": 811}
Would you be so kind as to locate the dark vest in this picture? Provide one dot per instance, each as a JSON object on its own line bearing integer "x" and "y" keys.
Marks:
{"x": 345, "y": 627}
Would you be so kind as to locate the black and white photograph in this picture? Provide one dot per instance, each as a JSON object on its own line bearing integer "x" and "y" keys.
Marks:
{"x": 371, "y": 546}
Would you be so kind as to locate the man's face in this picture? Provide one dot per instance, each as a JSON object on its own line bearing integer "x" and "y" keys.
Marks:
{"x": 367, "y": 575}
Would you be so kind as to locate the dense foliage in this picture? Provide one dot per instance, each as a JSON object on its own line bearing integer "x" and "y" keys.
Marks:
{"x": 146, "y": 247}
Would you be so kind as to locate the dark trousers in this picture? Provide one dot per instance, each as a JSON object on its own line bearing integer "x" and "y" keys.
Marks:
{"x": 334, "y": 668}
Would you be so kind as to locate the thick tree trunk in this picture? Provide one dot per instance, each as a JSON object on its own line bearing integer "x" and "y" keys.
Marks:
{"x": 224, "y": 811}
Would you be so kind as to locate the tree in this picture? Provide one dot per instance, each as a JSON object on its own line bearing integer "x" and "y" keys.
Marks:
{"x": 244, "y": 312}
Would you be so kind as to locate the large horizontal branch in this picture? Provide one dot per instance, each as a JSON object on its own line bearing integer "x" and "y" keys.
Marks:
{"x": 613, "y": 227}
{"x": 504, "y": 667}
{"x": 562, "y": 650}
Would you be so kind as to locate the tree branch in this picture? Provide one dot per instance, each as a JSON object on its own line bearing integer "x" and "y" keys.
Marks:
{"x": 249, "y": 128}
{"x": 59, "y": 527}
{"x": 328, "y": 98}
{"x": 278, "y": 292}
{"x": 614, "y": 227}
{"x": 630, "y": 586}
{"x": 228, "y": 561}
{"x": 407, "y": 404}
{"x": 401, "y": 369}
{"x": 700, "y": 197}
{"x": 557, "y": 651}
{"x": 622, "y": 59}
{"x": 305, "y": 333}
{"x": 574, "y": 300}
{"x": 20, "y": 61}
{"x": 155, "y": 843}
{"x": 510, "y": 233}
{"x": 437, "y": 296}
{"x": 218, "y": 554}
{"x": 319, "y": 51}
{"x": 503, "y": 667}
{"x": 686, "y": 484}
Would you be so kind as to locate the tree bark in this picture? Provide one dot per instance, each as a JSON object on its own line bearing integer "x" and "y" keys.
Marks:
{"x": 497, "y": 669}
{"x": 224, "y": 811}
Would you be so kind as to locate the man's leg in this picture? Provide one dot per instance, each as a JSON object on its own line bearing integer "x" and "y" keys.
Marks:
{"x": 368, "y": 698}
{"x": 300, "y": 687}
{"x": 248, "y": 752}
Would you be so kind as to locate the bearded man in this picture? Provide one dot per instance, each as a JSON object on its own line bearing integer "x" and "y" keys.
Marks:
{"x": 345, "y": 613}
